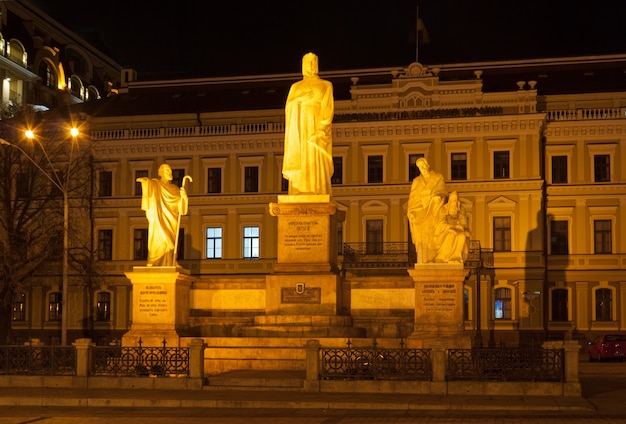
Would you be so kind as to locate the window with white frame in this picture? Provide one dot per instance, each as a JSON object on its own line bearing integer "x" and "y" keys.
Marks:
{"x": 214, "y": 242}
{"x": 502, "y": 303}
{"x": 251, "y": 242}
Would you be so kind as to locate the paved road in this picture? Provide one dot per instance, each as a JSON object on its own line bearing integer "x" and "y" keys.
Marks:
{"x": 603, "y": 384}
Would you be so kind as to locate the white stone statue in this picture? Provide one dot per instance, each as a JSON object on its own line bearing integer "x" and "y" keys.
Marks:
{"x": 164, "y": 204}
{"x": 452, "y": 232}
{"x": 308, "y": 159}
{"x": 428, "y": 194}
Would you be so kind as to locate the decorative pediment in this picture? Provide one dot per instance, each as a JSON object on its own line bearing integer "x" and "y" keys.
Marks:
{"x": 375, "y": 206}
{"x": 502, "y": 203}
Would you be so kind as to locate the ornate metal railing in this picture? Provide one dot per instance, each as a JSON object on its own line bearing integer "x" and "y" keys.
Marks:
{"x": 504, "y": 364}
{"x": 139, "y": 361}
{"x": 375, "y": 364}
{"x": 585, "y": 114}
{"x": 378, "y": 255}
{"x": 38, "y": 360}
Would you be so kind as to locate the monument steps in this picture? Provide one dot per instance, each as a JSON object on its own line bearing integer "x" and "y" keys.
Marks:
{"x": 288, "y": 380}
{"x": 302, "y": 331}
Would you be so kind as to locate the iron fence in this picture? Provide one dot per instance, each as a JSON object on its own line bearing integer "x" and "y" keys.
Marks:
{"x": 139, "y": 361}
{"x": 503, "y": 364}
{"x": 375, "y": 364}
{"x": 38, "y": 360}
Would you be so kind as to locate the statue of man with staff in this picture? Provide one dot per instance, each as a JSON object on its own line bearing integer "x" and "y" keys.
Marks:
{"x": 164, "y": 204}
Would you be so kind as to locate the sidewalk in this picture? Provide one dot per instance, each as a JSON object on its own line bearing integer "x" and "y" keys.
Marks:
{"x": 138, "y": 398}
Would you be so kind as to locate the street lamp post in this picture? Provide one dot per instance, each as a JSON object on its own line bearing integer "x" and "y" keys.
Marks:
{"x": 63, "y": 186}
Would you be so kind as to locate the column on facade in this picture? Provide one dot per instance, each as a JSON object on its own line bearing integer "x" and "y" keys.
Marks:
{"x": 232, "y": 249}
{"x": 578, "y": 245}
{"x": 583, "y": 306}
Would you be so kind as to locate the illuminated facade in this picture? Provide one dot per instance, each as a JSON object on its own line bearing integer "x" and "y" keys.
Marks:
{"x": 532, "y": 147}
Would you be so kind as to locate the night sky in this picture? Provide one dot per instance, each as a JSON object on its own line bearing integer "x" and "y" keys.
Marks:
{"x": 203, "y": 38}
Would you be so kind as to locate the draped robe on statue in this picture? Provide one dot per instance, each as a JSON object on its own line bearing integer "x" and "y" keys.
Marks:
{"x": 163, "y": 204}
{"x": 308, "y": 160}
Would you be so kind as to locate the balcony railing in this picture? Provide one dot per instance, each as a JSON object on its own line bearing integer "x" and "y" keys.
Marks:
{"x": 378, "y": 255}
{"x": 586, "y": 114}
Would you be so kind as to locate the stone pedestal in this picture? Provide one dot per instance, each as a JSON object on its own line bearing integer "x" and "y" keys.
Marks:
{"x": 160, "y": 300}
{"x": 303, "y": 296}
{"x": 307, "y": 233}
{"x": 439, "y": 304}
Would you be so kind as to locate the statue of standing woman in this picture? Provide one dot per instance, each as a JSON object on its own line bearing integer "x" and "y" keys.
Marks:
{"x": 164, "y": 204}
{"x": 428, "y": 194}
{"x": 308, "y": 160}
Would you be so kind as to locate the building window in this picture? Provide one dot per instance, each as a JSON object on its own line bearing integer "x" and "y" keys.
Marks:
{"x": 604, "y": 304}
{"x": 414, "y": 171}
{"x": 502, "y": 305}
{"x": 375, "y": 169}
{"x": 214, "y": 243}
{"x": 19, "y": 307}
{"x": 501, "y": 164}
{"x": 105, "y": 245}
{"x": 559, "y": 169}
{"x": 558, "y": 238}
{"x": 22, "y": 185}
{"x": 140, "y": 244}
{"x": 502, "y": 233}
{"x": 337, "y": 177}
{"x": 143, "y": 173}
{"x": 602, "y": 168}
{"x": 374, "y": 236}
{"x": 177, "y": 177}
{"x": 103, "y": 306}
{"x": 55, "y": 306}
{"x": 284, "y": 184}
{"x": 458, "y": 166}
{"x": 251, "y": 242}
{"x": 105, "y": 184}
{"x": 559, "y": 305}
{"x": 214, "y": 180}
{"x": 602, "y": 236}
{"x": 251, "y": 179}
{"x": 465, "y": 305}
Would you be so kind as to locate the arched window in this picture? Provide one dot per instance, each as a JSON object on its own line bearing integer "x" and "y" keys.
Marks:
{"x": 48, "y": 75}
{"x": 559, "y": 305}
{"x": 604, "y": 303}
{"x": 502, "y": 304}
{"x": 76, "y": 86}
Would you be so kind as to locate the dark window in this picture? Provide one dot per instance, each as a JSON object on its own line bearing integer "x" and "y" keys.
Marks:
{"x": 214, "y": 243}
{"x": 103, "y": 306}
{"x": 251, "y": 179}
{"x": 502, "y": 234}
{"x": 465, "y": 304}
{"x": 19, "y": 307}
{"x": 558, "y": 238}
{"x": 22, "y": 184}
{"x": 105, "y": 184}
{"x": 105, "y": 245}
{"x": 602, "y": 168}
{"x": 458, "y": 166}
{"x": 559, "y": 169}
{"x": 602, "y": 236}
{"x": 55, "y": 306}
{"x": 604, "y": 300}
{"x": 375, "y": 169}
{"x": 337, "y": 177}
{"x": 284, "y": 184}
{"x": 48, "y": 75}
{"x": 501, "y": 164}
{"x": 177, "y": 177}
{"x": 251, "y": 242}
{"x": 214, "y": 180}
{"x": 374, "y": 236}
{"x": 502, "y": 306}
{"x": 414, "y": 171}
{"x": 143, "y": 173}
{"x": 140, "y": 244}
{"x": 559, "y": 305}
